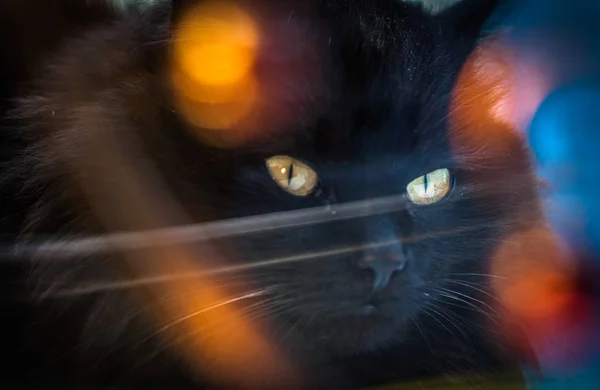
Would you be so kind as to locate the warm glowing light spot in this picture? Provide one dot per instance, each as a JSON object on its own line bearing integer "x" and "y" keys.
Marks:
{"x": 197, "y": 313}
{"x": 493, "y": 102}
{"x": 535, "y": 285}
{"x": 205, "y": 93}
{"x": 536, "y": 278}
{"x": 482, "y": 91}
{"x": 216, "y": 43}
{"x": 541, "y": 295}
{"x": 497, "y": 85}
{"x": 214, "y": 50}
{"x": 219, "y": 115}
{"x": 211, "y": 331}
{"x": 547, "y": 315}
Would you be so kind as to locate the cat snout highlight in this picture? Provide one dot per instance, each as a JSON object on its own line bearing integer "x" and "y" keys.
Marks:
{"x": 383, "y": 265}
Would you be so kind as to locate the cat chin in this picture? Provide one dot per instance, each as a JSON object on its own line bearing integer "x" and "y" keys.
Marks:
{"x": 357, "y": 339}
{"x": 355, "y": 335}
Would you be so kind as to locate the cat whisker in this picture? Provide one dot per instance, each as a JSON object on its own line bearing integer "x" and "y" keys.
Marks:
{"x": 427, "y": 311}
{"x": 291, "y": 330}
{"x": 181, "y": 337}
{"x": 478, "y": 275}
{"x": 470, "y": 305}
{"x": 473, "y": 286}
{"x": 486, "y": 314}
{"x": 481, "y": 283}
{"x": 254, "y": 312}
{"x": 450, "y": 314}
{"x": 271, "y": 306}
{"x": 416, "y": 322}
{"x": 495, "y": 186}
{"x": 249, "y": 295}
{"x": 262, "y": 307}
{"x": 468, "y": 297}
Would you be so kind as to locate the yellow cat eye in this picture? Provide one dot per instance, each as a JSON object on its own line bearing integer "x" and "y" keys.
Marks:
{"x": 292, "y": 175}
{"x": 430, "y": 188}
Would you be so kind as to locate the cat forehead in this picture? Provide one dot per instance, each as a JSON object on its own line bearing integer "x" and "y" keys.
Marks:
{"x": 371, "y": 79}
{"x": 384, "y": 129}
{"x": 379, "y": 104}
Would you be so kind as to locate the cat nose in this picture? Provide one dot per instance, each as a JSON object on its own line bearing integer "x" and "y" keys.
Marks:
{"x": 383, "y": 265}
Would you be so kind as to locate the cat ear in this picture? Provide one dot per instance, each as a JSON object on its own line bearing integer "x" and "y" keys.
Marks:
{"x": 468, "y": 18}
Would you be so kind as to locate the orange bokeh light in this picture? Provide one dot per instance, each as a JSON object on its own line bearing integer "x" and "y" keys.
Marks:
{"x": 499, "y": 85}
{"x": 222, "y": 114}
{"x": 481, "y": 97}
{"x": 535, "y": 279}
{"x": 216, "y": 43}
{"x": 214, "y": 50}
{"x": 214, "y": 336}
{"x": 540, "y": 295}
{"x": 536, "y": 288}
{"x": 202, "y": 322}
{"x": 536, "y": 274}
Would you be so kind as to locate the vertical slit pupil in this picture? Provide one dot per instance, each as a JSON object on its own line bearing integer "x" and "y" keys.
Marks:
{"x": 425, "y": 183}
{"x": 290, "y": 173}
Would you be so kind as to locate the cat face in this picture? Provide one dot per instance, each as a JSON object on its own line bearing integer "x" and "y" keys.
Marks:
{"x": 372, "y": 126}
{"x": 354, "y": 128}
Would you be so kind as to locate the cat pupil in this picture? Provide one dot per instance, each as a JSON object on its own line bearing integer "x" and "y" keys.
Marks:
{"x": 290, "y": 174}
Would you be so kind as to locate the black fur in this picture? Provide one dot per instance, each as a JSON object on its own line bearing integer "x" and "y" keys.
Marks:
{"x": 371, "y": 107}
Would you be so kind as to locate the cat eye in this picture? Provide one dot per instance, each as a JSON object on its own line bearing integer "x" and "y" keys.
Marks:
{"x": 292, "y": 175}
{"x": 430, "y": 188}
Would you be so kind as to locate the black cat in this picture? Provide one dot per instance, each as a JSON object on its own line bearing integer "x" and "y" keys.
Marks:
{"x": 383, "y": 280}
